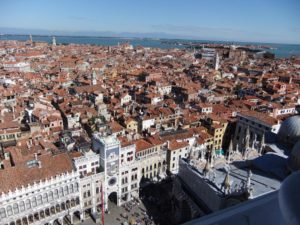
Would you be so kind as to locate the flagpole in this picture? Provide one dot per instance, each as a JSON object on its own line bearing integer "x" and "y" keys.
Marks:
{"x": 102, "y": 199}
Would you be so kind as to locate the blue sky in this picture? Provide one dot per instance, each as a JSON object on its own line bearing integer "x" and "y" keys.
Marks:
{"x": 231, "y": 20}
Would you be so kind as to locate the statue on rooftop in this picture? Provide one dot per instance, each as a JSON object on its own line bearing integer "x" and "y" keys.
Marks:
{"x": 226, "y": 185}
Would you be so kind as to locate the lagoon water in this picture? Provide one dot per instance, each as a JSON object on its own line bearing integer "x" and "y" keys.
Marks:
{"x": 280, "y": 50}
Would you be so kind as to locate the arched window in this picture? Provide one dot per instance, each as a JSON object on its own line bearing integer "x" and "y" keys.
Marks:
{"x": 39, "y": 200}
{"x": 2, "y": 213}
{"x": 15, "y": 208}
{"x": 154, "y": 165}
{"x": 71, "y": 188}
{"x": 9, "y": 210}
{"x": 22, "y": 206}
{"x": 61, "y": 192}
{"x": 27, "y": 203}
{"x": 45, "y": 197}
{"x": 76, "y": 187}
{"x": 55, "y": 194}
{"x": 66, "y": 190}
{"x": 50, "y": 196}
{"x": 33, "y": 202}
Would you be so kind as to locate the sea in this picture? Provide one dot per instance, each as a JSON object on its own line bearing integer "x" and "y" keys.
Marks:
{"x": 280, "y": 50}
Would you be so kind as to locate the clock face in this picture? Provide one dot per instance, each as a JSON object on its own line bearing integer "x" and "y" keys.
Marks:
{"x": 112, "y": 181}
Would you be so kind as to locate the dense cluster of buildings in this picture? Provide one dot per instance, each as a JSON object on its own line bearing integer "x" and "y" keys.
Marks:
{"x": 82, "y": 124}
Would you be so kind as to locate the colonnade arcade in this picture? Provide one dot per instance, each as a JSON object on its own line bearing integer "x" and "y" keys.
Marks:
{"x": 56, "y": 213}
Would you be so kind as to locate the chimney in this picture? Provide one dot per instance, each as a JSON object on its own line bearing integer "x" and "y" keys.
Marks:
{"x": 36, "y": 156}
{"x": 40, "y": 164}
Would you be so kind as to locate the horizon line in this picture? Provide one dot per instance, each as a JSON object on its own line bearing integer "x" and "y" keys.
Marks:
{"x": 133, "y": 37}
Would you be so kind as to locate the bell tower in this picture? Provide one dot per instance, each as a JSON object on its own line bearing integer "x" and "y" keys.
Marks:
{"x": 53, "y": 41}
{"x": 93, "y": 78}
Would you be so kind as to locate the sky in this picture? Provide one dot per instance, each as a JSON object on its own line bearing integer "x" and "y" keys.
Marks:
{"x": 273, "y": 21}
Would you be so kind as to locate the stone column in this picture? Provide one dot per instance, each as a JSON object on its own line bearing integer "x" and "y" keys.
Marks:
{"x": 72, "y": 218}
{"x": 81, "y": 216}
{"x": 61, "y": 221}
{"x": 94, "y": 198}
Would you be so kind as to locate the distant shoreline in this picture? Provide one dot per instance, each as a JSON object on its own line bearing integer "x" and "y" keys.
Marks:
{"x": 280, "y": 50}
{"x": 149, "y": 38}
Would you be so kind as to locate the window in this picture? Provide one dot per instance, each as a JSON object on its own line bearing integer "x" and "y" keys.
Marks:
{"x": 50, "y": 195}
{"x": 39, "y": 200}
{"x": 16, "y": 208}
{"x": 66, "y": 190}
{"x": 28, "y": 205}
{"x": 71, "y": 188}
{"x": 22, "y": 206}
{"x": 33, "y": 202}
{"x": 61, "y": 192}
{"x": 9, "y": 210}
{"x": 55, "y": 194}
{"x": 2, "y": 213}
{"x": 45, "y": 197}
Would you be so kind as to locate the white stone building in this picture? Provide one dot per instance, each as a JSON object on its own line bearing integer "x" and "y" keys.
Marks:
{"x": 39, "y": 195}
{"x": 257, "y": 125}
{"x": 91, "y": 181}
{"x": 17, "y": 66}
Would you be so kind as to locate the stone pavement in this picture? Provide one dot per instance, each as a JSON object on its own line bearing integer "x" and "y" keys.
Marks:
{"x": 114, "y": 217}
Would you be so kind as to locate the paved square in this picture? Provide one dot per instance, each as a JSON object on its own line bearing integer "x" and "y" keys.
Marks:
{"x": 134, "y": 213}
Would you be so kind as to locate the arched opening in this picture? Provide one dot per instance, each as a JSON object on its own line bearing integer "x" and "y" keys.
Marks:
{"x": 67, "y": 219}
{"x": 63, "y": 206}
{"x": 76, "y": 217}
{"x": 87, "y": 213}
{"x": 77, "y": 201}
{"x": 30, "y": 218}
{"x": 25, "y": 221}
{"x": 73, "y": 202}
{"x": 52, "y": 210}
{"x": 47, "y": 212}
{"x": 42, "y": 214}
{"x": 68, "y": 204}
{"x": 56, "y": 222}
{"x": 36, "y": 216}
{"x": 57, "y": 208}
{"x": 113, "y": 198}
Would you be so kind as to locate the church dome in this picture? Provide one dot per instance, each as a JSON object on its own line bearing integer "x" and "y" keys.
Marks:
{"x": 289, "y": 131}
{"x": 295, "y": 157}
